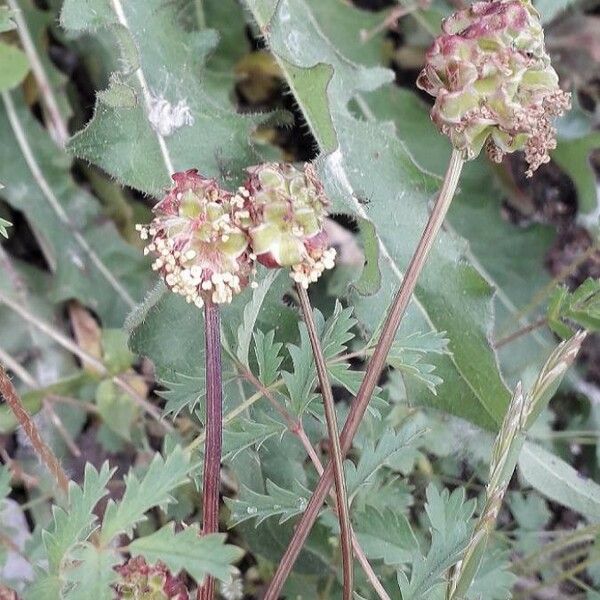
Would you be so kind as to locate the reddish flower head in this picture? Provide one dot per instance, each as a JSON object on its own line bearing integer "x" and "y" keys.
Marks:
{"x": 493, "y": 82}
{"x": 201, "y": 252}
{"x": 141, "y": 581}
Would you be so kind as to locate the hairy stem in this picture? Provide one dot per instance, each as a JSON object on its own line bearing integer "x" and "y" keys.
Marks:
{"x": 374, "y": 369}
{"x": 214, "y": 433}
{"x": 45, "y": 454}
{"x": 337, "y": 459}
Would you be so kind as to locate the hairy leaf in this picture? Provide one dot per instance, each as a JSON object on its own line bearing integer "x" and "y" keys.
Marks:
{"x": 195, "y": 126}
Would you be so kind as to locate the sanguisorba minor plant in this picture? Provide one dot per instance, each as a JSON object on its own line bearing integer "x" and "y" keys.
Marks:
{"x": 494, "y": 87}
{"x": 494, "y": 90}
{"x": 202, "y": 253}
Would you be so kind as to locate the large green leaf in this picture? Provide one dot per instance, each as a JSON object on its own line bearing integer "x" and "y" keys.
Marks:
{"x": 163, "y": 62}
{"x": 365, "y": 157}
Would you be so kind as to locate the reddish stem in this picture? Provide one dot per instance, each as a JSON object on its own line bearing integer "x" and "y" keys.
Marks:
{"x": 45, "y": 454}
{"x": 337, "y": 458}
{"x": 214, "y": 433}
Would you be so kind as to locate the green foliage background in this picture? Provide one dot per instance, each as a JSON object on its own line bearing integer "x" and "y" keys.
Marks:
{"x": 432, "y": 421}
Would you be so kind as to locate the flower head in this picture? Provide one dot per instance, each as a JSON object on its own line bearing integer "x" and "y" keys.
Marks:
{"x": 287, "y": 209}
{"x": 493, "y": 82}
{"x": 141, "y": 581}
{"x": 201, "y": 251}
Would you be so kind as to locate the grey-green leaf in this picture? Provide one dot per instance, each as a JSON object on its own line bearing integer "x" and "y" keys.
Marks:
{"x": 181, "y": 119}
{"x": 560, "y": 482}
{"x": 188, "y": 550}
{"x": 154, "y": 488}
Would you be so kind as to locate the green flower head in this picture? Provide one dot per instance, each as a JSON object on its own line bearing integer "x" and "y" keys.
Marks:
{"x": 287, "y": 208}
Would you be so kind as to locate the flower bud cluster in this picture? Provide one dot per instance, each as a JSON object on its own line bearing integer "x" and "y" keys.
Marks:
{"x": 287, "y": 211}
{"x": 206, "y": 240}
{"x": 141, "y": 581}
{"x": 493, "y": 82}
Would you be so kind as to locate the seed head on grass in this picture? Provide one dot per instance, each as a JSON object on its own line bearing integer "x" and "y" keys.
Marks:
{"x": 493, "y": 82}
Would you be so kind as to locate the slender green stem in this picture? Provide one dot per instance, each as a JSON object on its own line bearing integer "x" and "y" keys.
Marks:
{"x": 374, "y": 370}
{"x": 214, "y": 433}
{"x": 337, "y": 459}
{"x": 57, "y": 125}
{"x": 45, "y": 454}
{"x": 520, "y": 332}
